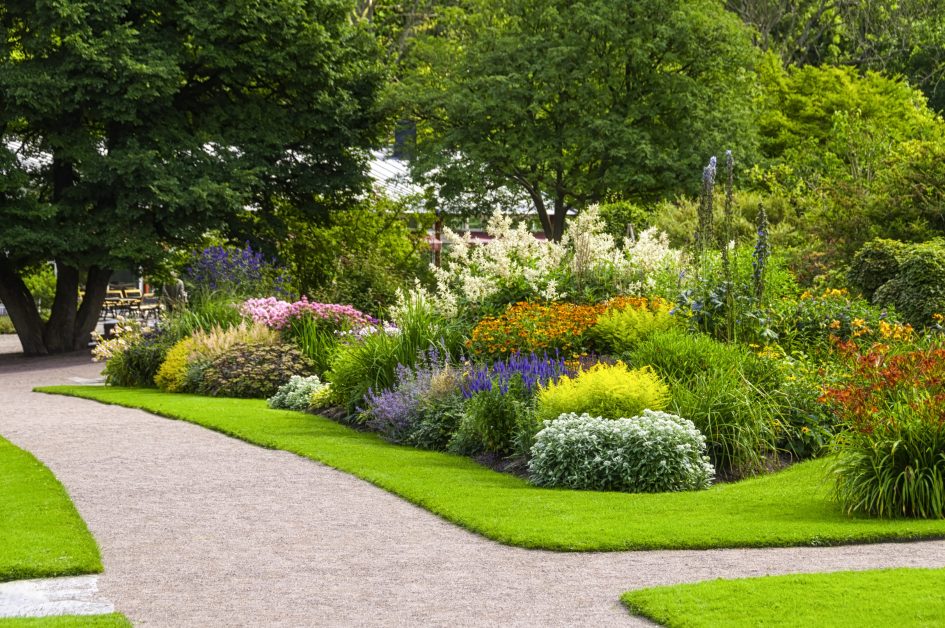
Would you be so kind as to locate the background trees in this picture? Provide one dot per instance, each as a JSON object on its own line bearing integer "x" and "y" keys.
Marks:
{"x": 568, "y": 102}
{"x": 131, "y": 127}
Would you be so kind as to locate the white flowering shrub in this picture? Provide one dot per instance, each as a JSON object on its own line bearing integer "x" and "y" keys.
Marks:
{"x": 515, "y": 265}
{"x": 651, "y": 453}
{"x": 297, "y": 393}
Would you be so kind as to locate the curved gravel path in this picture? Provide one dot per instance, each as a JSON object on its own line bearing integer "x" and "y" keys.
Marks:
{"x": 198, "y": 529}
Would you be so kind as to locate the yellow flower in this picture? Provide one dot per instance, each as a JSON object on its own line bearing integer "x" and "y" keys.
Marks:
{"x": 834, "y": 324}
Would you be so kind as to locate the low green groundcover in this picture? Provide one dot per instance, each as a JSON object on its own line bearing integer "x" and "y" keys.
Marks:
{"x": 113, "y": 620}
{"x": 781, "y": 509}
{"x": 41, "y": 534}
{"x": 888, "y": 597}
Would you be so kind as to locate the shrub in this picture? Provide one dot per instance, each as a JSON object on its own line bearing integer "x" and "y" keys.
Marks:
{"x": 6, "y": 325}
{"x": 494, "y": 419}
{"x": 607, "y": 390}
{"x": 619, "y": 329}
{"x": 255, "y": 371}
{"x": 812, "y": 322}
{"x": 725, "y": 390}
{"x": 394, "y": 412}
{"x": 133, "y": 356}
{"x": 918, "y": 289}
{"x": 437, "y": 421}
{"x": 369, "y": 361}
{"x": 898, "y": 470}
{"x": 296, "y": 394}
{"x": 651, "y": 453}
{"x": 875, "y": 264}
{"x": 534, "y": 328}
{"x": 203, "y": 314}
{"x": 172, "y": 375}
{"x": 891, "y": 456}
{"x": 218, "y": 340}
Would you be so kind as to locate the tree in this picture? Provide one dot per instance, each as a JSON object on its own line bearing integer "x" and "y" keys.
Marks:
{"x": 130, "y": 127}
{"x": 894, "y": 36}
{"x": 568, "y": 102}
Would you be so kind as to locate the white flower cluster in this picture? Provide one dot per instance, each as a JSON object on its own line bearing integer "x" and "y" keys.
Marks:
{"x": 513, "y": 257}
{"x": 517, "y": 262}
{"x": 297, "y": 393}
{"x": 651, "y": 453}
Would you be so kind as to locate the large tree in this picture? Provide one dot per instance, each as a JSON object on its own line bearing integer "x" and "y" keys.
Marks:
{"x": 571, "y": 101}
{"x": 132, "y": 126}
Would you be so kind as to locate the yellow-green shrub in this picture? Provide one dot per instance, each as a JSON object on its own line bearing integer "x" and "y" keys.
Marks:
{"x": 172, "y": 374}
{"x": 620, "y": 329}
{"x": 606, "y": 390}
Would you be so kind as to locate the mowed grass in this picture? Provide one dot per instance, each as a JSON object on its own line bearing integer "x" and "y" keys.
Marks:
{"x": 903, "y": 598}
{"x": 41, "y": 534}
{"x": 113, "y": 620}
{"x": 782, "y": 509}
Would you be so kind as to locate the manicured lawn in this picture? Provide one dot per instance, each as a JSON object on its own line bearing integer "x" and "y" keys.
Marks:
{"x": 113, "y": 620}
{"x": 41, "y": 534}
{"x": 787, "y": 508}
{"x": 888, "y": 597}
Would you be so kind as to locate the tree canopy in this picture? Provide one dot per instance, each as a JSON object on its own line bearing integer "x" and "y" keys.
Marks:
{"x": 133, "y": 126}
{"x": 569, "y": 102}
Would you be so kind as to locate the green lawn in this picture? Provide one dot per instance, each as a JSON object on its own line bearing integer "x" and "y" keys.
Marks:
{"x": 787, "y": 508}
{"x": 41, "y": 534}
{"x": 889, "y": 597}
{"x": 113, "y": 620}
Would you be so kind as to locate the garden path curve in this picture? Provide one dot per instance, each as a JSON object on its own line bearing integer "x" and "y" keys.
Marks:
{"x": 198, "y": 529}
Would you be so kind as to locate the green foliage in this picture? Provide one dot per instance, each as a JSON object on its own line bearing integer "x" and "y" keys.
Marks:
{"x": 610, "y": 391}
{"x": 724, "y": 389}
{"x": 493, "y": 420}
{"x": 438, "y": 420}
{"x": 359, "y": 255}
{"x": 918, "y": 289}
{"x": 370, "y": 362}
{"x": 875, "y": 264}
{"x": 6, "y": 327}
{"x": 896, "y": 471}
{"x": 41, "y": 282}
{"x": 623, "y": 219}
{"x": 618, "y": 330}
{"x": 856, "y": 155}
{"x": 811, "y": 322}
{"x": 316, "y": 338}
{"x": 172, "y": 375}
{"x": 139, "y": 362}
{"x": 163, "y": 121}
{"x": 510, "y": 85}
{"x": 652, "y": 453}
{"x": 254, "y": 371}
{"x": 213, "y": 310}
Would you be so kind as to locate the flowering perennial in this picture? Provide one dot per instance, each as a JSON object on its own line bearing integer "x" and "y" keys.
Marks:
{"x": 278, "y": 314}
{"x": 534, "y": 371}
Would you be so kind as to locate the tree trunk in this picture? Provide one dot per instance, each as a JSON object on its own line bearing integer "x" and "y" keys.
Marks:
{"x": 96, "y": 286}
{"x": 22, "y": 309}
{"x": 59, "y": 334}
{"x": 70, "y": 324}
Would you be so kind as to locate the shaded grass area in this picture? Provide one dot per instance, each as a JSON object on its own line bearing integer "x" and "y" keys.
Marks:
{"x": 782, "y": 509}
{"x": 41, "y": 534}
{"x": 113, "y": 620}
{"x": 887, "y": 597}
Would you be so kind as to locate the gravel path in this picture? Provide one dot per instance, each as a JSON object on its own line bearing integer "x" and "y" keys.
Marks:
{"x": 198, "y": 529}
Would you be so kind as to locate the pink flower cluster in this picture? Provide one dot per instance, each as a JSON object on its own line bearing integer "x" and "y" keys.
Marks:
{"x": 277, "y": 314}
